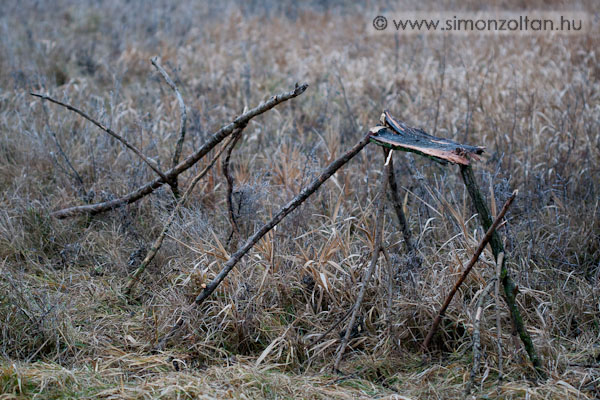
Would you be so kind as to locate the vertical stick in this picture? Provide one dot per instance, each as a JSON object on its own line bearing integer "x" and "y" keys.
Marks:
{"x": 497, "y": 299}
{"x": 477, "y": 337}
{"x": 182, "y": 120}
{"x": 395, "y": 197}
{"x": 510, "y": 288}
{"x": 376, "y": 250}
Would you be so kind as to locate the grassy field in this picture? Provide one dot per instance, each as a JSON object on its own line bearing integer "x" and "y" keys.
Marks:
{"x": 66, "y": 331}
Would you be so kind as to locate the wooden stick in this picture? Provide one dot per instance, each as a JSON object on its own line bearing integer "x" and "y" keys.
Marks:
{"x": 191, "y": 160}
{"x": 397, "y": 203}
{"x": 367, "y": 277}
{"x": 510, "y": 288}
{"x": 477, "y": 336}
{"x": 182, "y": 112}
{"x": 159, "y": 240}
{"x": 468, "y": 268}
{"x": 229, "y": 179}
{"x": 112, "y": 133}
{"x": 288, "y": 208}
{"x": 499, "y": 263}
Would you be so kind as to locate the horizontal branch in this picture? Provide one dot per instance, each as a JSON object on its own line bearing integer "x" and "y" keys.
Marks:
{"x": 214, "y": 140}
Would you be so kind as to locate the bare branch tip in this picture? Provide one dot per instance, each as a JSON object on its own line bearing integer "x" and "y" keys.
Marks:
{"x": 299, "y": 89}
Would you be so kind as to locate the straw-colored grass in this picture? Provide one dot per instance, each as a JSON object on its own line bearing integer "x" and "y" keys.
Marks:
{"x": 65, "y": 330}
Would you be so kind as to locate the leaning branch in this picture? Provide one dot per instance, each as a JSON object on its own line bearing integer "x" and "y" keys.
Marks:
{"x": 112, "y": 133}
{"x": 469, "y": 267}
{"x": 184, "y": 165}
{"x": 288, "y": 208}
{"x": 510, "y": 288}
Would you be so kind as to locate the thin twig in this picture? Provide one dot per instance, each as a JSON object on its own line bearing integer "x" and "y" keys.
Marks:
{"x": 75, "y": 175}
{"x": 477, "y": 336}
{"x": 468, "y": 268}
{"x": 367, "y": 277}
{"x": 159, "y": 240}
{"x": 182, "y": 112}
{"x": 498, "y": 325}
{"x": 184, "y": 165}
{"x": 229, "y": 178}
{"x": 112, "y": 133}
{"x": 328, "y": 331}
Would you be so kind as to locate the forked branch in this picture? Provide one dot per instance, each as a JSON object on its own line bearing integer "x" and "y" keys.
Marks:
{"x": 184, "y": 165}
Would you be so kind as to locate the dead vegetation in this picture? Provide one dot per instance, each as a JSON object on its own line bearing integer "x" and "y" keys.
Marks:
{"x": 65, "y": 330}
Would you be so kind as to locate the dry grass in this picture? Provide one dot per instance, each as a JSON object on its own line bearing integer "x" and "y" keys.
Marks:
{"x": 533, "y": 101}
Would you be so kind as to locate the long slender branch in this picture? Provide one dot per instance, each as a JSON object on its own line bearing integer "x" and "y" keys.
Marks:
{"x": 367, "y": 277}
{"x": 283, "y": 212}
{"x": 468, "y": 268}
{"x": 214, "y": 140}
{"x": 182, "y": 111}
{"x": 288, "y": 208}
{"x": 159, "y": 240}
{"x": 106, "y": 129}
{"x": 76, "y": 175}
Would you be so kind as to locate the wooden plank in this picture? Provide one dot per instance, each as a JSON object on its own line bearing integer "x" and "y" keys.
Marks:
{"x": 397, "y": 135}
